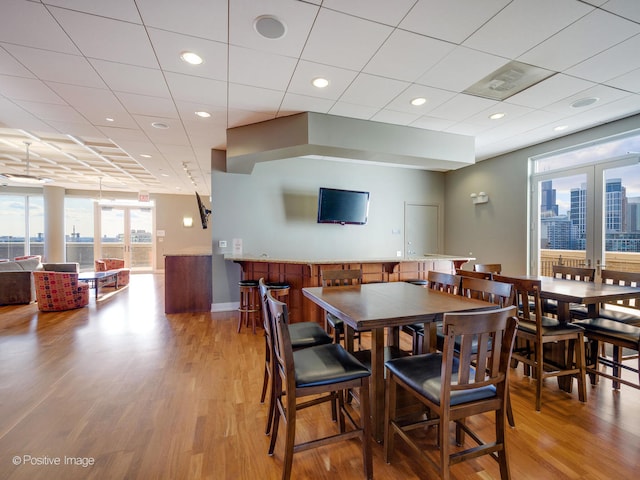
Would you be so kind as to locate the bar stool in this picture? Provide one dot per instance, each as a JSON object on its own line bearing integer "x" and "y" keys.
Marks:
{"x": 249, "y": 303}
{"x": 280, "y": 291}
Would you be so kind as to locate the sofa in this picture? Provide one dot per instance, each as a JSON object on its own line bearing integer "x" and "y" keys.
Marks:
{"x": 106, "y": 264}
{"x": 16, "y": 280}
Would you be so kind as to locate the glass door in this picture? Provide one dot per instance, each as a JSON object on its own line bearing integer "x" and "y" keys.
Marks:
{"x": 126, "y": 233}
{"x": 587, "y": 216}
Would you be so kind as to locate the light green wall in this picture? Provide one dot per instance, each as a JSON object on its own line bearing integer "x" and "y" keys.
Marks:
{"x": 274, "y": 211}
{"x": 497, "y": 232}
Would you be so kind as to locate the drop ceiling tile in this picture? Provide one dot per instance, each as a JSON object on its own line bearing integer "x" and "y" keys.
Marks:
{"x": 380, "y": 11}
{"x": 147, "y": 105}
{"x": 343, "y": 41}
{"x": 462, "y": 128}
{"x": 609, "y": 64}
{"x": 132, "y": 79}
{"x": 107, "y": 39}
{"x": 603, "y": 93}
{"x": 460, "y": 69}
{"x": 373, "y": 91}
{"x": 260, "y": 69}
{"x": 50, "y": 112}
{"x": 432, "y": 123}
{"x": 351, "y": 110}
{"x": 31, "y": 89}
{"x": 443, "y": 19}
{"x": 174, "y": 135}
{"x": 117, "y": 9}
{"x": 11, "y": 66}
{"x": 168, "y": 46}
{"x": 204, "y": 19}
{"x": 36, "y": 28}
{"x": 245, "y": 97}
{"x": 238, "y": 117}
{"x": 434, "y": 97}
{"x": 188, "y": 88}
{"x": 294, "y": 103}
{"x": 507, "y": 34}
{"x": 629, "y": 81}
{"x": 406, "y": 56}
{"x": 511, "y": 112}
{"x": 581, "y": 40}
{"x": 339, "y": 79}
{"x": 57, "y": 67}
{"x": 461, "y": 107}
{"x": 549, "y": 91}
{"x": 82, "y": 129}
{"x": 298, "y": 17}
{"x": 625, "y": 8}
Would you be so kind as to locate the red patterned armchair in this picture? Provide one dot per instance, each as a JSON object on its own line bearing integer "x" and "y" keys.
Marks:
{"x": 57, "y": 291}
{"x": 104, "y": 264}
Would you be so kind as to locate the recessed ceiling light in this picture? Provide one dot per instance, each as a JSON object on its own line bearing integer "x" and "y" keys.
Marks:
{"x": 416, "y": 102}
{"x": 320, "y": 82}
{"x": 584, "y": 102}
{"x": 560, "y": 128}
{"x": 145, "y": 155}
{"x": 497, "y": 116}
{"x": 269, "y": 27}
{"x": 192, "y": 58}
{"x": 109, "y": 119}
{"x": 160, "y": 125}
{"x": 203, "y": 114}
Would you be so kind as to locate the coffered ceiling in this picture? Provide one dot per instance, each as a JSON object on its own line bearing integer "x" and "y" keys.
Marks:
{"x": 84, "y": 81}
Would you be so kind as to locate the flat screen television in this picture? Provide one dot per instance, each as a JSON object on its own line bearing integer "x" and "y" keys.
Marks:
{"x": 342, "y": 206}
{"x": 204, "y": 211}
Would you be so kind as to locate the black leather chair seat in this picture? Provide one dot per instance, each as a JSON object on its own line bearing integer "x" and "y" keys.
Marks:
{"x": 306, "y": 334}
{"x": 278, "y": 285}
{"x": 423, "y": 374}
{"x": 389, "y": 354}
{"x": 611, "y": 328}
{"x": 326, "y": 364}
{"x": 248, "y": 283}
{"x": 550, "y": 326}
{"x": 608, "y": 313}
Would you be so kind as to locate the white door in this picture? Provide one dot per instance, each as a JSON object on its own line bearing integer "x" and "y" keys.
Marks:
{"x": 421, "y": 230}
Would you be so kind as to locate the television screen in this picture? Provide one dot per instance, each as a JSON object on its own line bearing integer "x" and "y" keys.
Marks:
{"x": 342, "y": 206}
{"x": 204, "y": 211}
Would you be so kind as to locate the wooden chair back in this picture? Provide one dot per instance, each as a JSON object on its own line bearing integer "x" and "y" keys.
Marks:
{"x": 583, "y": 274}
{"x": 500, "y": 293}
{"x": 526, "y": 297}
{"x": 488, "y": 267}
{"x": 630, "y": 279}
{"x": 482, "y": 341}
{"x": 282, "y": 349}
{"x": 473, "y": 274}
{"x": 444, "y": 282}
{"x": 337, "y": 278}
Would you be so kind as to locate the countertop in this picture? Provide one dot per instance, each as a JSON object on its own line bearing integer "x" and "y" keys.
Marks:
{"x": 329, "y": 261}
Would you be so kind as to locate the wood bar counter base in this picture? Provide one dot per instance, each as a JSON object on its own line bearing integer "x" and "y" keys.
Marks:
{"x": 301, "y": 273}
{"x": 188, "y": 283}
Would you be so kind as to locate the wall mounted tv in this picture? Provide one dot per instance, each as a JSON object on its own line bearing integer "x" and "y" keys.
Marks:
{"x": 342, "y": 206}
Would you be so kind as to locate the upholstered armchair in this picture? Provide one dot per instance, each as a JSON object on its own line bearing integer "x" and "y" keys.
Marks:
{"x": 56, "y": 291}
{"x": 104, "y": 264}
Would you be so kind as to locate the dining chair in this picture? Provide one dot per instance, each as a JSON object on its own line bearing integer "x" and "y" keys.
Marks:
{"x": 339, "y": 278}
{"x": 580, "y": 274}
{"x": 454, "y": 386}
{"x": 323, "y": 372}
{"x": 491, "y": 291}
{"x": 536, "y": 330}
{"x": 488, "y": 267}
{"x": 302, "y": 335}
{"x": 440, "y": 281}
{"x": 473, "y": 274}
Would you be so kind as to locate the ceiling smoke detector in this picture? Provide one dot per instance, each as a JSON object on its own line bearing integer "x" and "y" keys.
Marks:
{"x": 269, "y": 27}
{"x": 512, "y": 78}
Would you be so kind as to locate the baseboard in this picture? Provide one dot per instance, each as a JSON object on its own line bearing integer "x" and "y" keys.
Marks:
{"x": 225, "y": 307}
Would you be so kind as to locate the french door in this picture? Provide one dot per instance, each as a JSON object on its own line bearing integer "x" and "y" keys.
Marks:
{"x": 587, "y": 216}
{"x": 126, "y": 232}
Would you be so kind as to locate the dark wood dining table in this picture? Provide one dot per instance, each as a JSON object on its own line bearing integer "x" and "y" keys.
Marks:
{"x": 591, "y": 294}
{"x": 377, "y": 306}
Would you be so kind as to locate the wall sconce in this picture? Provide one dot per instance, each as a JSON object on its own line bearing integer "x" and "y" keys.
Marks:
{"x": 481, "y": 197}
{"x": 187, "y": 222}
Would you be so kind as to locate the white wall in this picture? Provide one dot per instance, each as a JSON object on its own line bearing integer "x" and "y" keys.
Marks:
{"x": 497, "y": 232}
{"x": 274, "y": 211}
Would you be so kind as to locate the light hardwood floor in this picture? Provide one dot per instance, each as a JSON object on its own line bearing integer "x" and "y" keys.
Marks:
{"x": 150, "y": 396}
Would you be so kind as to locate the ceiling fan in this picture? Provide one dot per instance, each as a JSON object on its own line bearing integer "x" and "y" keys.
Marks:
{"x": 25, "y": 177}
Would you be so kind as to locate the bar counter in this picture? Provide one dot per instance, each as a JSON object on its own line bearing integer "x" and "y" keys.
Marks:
{"x": 300, "y": 273}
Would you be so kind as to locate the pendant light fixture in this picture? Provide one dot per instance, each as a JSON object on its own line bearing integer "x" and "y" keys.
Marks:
{"x": 25, "y": 177}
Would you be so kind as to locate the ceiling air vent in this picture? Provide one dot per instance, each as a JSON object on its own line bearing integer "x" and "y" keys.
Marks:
{"x": 508, "y": 80}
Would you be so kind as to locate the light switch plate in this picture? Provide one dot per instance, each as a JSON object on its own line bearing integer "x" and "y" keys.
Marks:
{"x": 222, "y": 243}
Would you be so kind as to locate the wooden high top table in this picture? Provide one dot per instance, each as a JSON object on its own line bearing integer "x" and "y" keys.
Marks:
{"x": 376, "y": 306}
